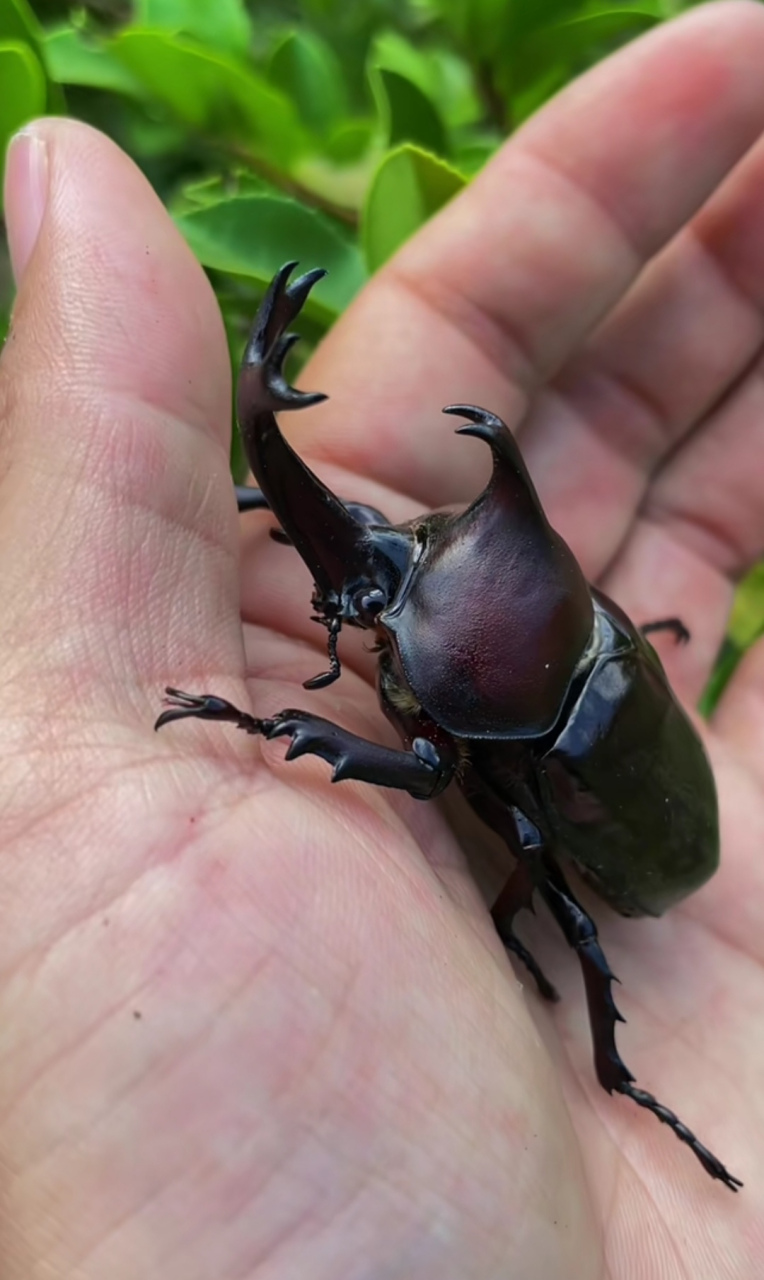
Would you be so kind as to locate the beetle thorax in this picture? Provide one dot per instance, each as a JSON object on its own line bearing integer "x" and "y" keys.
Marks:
{"x": 492, "y": 625}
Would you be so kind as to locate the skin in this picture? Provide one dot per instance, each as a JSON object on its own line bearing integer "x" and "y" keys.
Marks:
{"x": 254, "y": 1026}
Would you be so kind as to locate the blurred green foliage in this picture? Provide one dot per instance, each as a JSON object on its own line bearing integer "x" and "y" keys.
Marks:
{"x": 315, "y": 129}
{"x": 324, "y": 130}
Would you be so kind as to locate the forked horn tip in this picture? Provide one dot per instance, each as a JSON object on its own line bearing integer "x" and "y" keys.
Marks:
{"x": 304, "y": 283}
{"x": 291, "y": 398}
{"x": 485, "y": 424}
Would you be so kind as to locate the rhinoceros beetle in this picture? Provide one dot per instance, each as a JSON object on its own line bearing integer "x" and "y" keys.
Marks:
{"x": 502, "y": 670}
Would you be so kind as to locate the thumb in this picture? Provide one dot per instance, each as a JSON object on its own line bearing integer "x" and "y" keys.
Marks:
{"x": 118, "y": 532}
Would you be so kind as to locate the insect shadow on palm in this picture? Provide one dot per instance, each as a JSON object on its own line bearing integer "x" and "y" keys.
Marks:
{"x": 502, "y": 671}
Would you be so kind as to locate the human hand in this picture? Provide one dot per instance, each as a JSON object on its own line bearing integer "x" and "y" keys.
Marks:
{"x": 257, "y": 1025}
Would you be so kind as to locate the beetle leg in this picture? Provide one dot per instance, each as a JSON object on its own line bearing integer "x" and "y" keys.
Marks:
{"x": 516, "y": 895}
{"x": 675, "y": 625}
{"x": 249, "y": 498}
{"x": 424, "y": 771}
{"x": 581, "y": 933}
{"x": 522, "y": 839}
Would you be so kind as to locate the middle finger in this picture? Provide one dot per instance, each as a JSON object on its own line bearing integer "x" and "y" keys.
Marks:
{"x": 691, "y": 325}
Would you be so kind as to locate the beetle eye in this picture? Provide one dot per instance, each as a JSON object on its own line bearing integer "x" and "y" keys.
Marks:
{"x": 370, "y": 603}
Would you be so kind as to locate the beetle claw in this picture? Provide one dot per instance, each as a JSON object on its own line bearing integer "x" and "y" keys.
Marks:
{"x": 205, "y": 706}
{"x": 710, "y": 1162}
{"x": 674, "y": 625}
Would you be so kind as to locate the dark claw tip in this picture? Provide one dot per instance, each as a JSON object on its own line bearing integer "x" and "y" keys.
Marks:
{"x": 717, "y": 1170}
{"x": 180, "y": 705}
{"x": 301, "y": 287}
{"x": 470, "y": 411}
{"x": 321, "y": 681}
{"x": 283, "y": 273}
{"x": 482, "y": 417}
{"x": 177, "y": 695}
{"x": 277, "y": 728}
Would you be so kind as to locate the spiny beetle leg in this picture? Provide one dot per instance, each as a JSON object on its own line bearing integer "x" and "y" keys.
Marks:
{"x": 249, "y": 498}
{"x": 517, "y": 895}
{"x": 522, "y": 840}
{"x": 545, "y": 987}
{"x": 581, "y": 933}
{"x": 423, "y": 771}
{"x": 674, "y": 625}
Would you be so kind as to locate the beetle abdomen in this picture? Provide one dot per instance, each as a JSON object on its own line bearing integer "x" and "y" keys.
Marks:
{"x": 632, "y": 796}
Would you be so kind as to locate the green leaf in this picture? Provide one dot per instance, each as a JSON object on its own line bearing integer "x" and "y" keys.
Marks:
{"x": 442, "y": 76}
{"x": 213, "y": 94}
{"x": 455, "y": 92}
{"x": 217, "y": 187}
{"x": 24, "y": 92}
{"x": 409, "y": 186}
{"x": 746, "y": 627}
{"x": 659, "y": 9}
{"x": 338, "y": 186}
{"x": 576, "y": 37}
{"x": 747, "y": 621}
{"x": 253, "y": 235}
{"x": 533, "y": 91}
{"x": 18, "y": 23}
{"x": 723, "y": 671}
{"x": 479, "y": 25}
{"x": 406, "y": 113}
{"x": 154, "y": 142}
{"x": 552, "y": 54}
{"x": 218, "y": 24}
{"x": 306, "y": 69}
{"x": 350, "y": 141}
{"x": 72, "y": 57}
{"x": 394, "y": 52}
{"x": 471, "y": 155}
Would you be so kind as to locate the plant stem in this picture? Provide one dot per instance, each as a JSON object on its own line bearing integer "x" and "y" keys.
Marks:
{"x": 496, "y": 105}
{"x": 290, "y": 186}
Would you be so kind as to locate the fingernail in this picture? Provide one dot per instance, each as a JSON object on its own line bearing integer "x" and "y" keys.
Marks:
{"x": 26, "y": 194}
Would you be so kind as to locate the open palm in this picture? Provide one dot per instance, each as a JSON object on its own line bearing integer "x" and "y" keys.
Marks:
{"x": 255, "y": 1025}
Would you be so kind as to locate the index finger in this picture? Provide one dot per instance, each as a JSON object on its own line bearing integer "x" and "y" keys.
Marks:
{"x": 498, "y": 290}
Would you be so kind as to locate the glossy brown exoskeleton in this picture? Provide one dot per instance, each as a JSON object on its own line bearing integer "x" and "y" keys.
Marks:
{"x": 501, "y": 669}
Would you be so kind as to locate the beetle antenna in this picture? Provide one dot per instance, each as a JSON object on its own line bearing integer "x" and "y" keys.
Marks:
{"x": 335, "y": 668}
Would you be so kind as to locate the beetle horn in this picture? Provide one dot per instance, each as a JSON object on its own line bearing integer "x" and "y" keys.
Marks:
{"x": 510, "y": 484}
{"x": 323, "y": 531}
{"x": 338, "y": 545}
